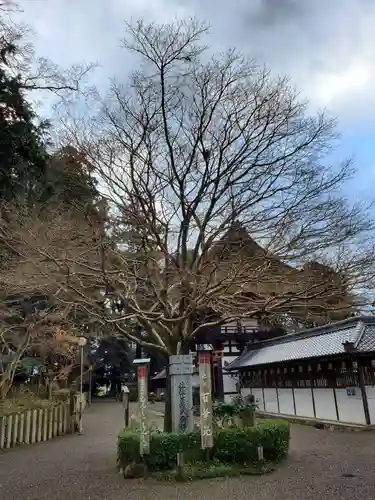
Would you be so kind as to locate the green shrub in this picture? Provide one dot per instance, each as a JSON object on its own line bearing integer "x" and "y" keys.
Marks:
{"x": 240, "y": 408}
{"x": 240, "y": 444}
{"x": 236, "y": 445}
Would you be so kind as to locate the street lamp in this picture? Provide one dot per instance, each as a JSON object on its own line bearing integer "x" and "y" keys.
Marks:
{"x": 82, "y": 341}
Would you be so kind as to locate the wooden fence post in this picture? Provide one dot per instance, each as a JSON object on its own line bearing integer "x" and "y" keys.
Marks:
{"x": 15, "y": 437}
{"x": 66, "y": 416}
{"x": 55, "y": 421}
{"x": 8, "y": 443}
{"x": 34, "y": 426}
{"x": 2, "y": 431}
{"x": 21, "y": 428}
{"x": 34, "y": 415}
{"x": 62, "y": 419}
{"x": 50, "y": 423}
{"x": 45, "y": 425}
{"x": 27, "y": 427}
{"x": 39, "y": 426}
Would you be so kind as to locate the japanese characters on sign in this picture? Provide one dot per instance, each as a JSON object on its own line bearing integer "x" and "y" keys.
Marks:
{"x": 184, "y": 415}
{"x": 205, "y": 400}
{"x": 181, "y": 378}
{"x": 143, "y": 404}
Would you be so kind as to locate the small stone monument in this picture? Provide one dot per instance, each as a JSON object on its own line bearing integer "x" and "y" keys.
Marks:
{"x": 181, "y": 373}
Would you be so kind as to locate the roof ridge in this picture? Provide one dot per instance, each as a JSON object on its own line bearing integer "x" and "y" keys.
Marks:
{"x": 309, "y": 345}
{"x": 360, "y": 329}
{"x": 338, "y": 326}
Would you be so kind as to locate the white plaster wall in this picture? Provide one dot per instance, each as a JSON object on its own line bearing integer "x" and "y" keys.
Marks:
{"x": 350, "y": 407}
{"x": 229, "y": 381}
{"x": 286, "y": 401}
{"x": 270, "y": 398}
{"x": 325, "y": 404}
{"x": 258, "y": 395}
{"x": 234, "y": 350}
{"x": 304, "y": 404}
{"x": 246, "y": 391}
{"x": 195, "y": 380}
{"x": 370, "y": 391}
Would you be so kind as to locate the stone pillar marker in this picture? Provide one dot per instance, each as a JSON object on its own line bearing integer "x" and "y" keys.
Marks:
{"x": 181, "y": 373}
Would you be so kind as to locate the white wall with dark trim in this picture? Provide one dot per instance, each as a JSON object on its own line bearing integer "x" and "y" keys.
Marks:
{"x": 336, "y": 405}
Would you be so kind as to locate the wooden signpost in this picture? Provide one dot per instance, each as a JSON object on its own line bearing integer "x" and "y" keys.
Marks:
{"x": 142, "y": 376}
{"x": 207, "y": 440}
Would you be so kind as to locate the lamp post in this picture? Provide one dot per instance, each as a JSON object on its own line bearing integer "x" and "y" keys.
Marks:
{"x": 82, "y": 341}
{"x": 90, "y": 385}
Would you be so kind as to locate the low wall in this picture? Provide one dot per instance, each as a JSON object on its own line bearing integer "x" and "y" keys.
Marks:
{"x": 327, "y": 404}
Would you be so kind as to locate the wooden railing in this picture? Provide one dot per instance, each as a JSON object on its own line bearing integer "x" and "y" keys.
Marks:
{"x": 34, "y": 426}
{"x": 41, "y": 424}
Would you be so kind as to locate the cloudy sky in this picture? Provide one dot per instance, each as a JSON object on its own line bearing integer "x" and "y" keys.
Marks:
{"x": 326, "y": 46}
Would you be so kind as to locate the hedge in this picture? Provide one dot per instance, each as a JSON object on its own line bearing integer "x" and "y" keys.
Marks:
{"x": 233, "y": 445}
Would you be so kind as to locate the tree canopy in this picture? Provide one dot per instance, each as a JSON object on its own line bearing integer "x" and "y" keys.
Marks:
{"x": 223, "y": 174}
{"x": 22, "y": 147}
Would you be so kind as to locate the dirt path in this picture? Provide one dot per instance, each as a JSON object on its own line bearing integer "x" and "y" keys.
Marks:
{"x": 83, "y": 467}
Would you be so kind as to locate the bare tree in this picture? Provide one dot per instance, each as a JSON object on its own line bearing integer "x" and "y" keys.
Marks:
{"x": 30, "y": 71}
{"x": 195, "y": 153}
{"x": 194, "y": 146}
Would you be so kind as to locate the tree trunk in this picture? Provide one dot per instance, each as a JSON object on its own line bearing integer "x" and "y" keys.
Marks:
{"x": 168, "y": 401}
{"x": 4, "y": 389}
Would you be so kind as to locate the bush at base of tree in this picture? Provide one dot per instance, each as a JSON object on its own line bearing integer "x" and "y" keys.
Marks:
{"x": 236, "y": 445}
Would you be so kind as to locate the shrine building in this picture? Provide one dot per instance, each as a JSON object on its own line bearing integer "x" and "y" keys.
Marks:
{"x": 325, "y": 373}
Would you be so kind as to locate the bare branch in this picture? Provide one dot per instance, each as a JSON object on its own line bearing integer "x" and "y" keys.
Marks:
{"x": 194, "y": 155}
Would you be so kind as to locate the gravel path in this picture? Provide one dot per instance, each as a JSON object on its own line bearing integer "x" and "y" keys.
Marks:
{"x": 337, "y": 464}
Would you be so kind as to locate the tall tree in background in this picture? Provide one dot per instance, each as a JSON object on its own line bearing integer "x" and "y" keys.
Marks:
{"x": 197, "y": 153}
{"x": 22, "y": 144}
{"x": 69, "y": 181}
{"x": 23, "y": 135}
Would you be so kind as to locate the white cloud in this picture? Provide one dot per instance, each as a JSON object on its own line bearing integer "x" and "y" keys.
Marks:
{"x": 329, "y": 88}
{"x": 327, "y": 46}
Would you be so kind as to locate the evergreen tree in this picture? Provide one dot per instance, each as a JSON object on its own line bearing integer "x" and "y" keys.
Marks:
{"x": 22, "y": 140}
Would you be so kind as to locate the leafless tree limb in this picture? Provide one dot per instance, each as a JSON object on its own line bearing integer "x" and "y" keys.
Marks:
{"x": 193, "y": 155}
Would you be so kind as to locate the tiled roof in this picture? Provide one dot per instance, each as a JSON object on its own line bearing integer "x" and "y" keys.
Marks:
{"x": 317, "y": 342}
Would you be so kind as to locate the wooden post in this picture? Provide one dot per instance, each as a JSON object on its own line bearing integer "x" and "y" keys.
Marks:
{"x": 3, "y": 421}
{"x": 206, "y": 401}
{"x": 15, "y": 436}
{"x": 34, "y": 415}
{"x": 180, "y": 465}
{"x": 294, "y": 400}
{"x": 144, "y": 442}
{"x": 336, "y": 404}
{"x": 61, "y": 419}
{"x": 90, "y": 386}
{"x": 45, "y": 425}
{"x": 364, "y": 394}
{"x": 39, "y": 429}
{"x": 66, "y": 417}
{"x": 55, "y": 421}
{"x": 125, "y": 404}
{"x": 50, "y": 424}
{"x": 27, "y": 426}
{"x": 21, "y": 428}
{"x": 312, "y": 393}
{"x": 8, "y": 443}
